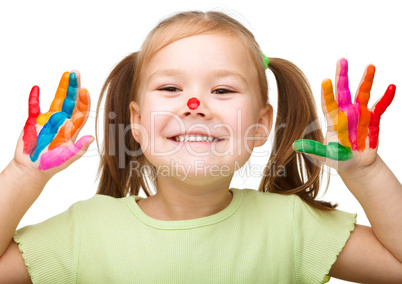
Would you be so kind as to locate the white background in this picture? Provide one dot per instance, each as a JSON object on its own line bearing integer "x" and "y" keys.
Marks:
{"x": 42, "y": 39}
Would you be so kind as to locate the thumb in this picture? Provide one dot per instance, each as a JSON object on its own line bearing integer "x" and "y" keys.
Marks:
{"x": 334, "y": 150}
{"x": 65, "y": 155}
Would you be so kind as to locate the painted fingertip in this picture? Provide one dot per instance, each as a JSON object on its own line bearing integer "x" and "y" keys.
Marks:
{"x": 85, "y": 140}
{"x": 344, "y": 66}
{"x": 73, "y": 81}
{"x": 327, "y": 85}
{"x": 308, "y": 146}
{"x": 65, "y": 77}
{"x": 35, "y": 89}
{"x": 84, "y": 96}
{"x": 371, "y": 69}
{"x": 392, "y": 88}
{"x": 298, "y": 145}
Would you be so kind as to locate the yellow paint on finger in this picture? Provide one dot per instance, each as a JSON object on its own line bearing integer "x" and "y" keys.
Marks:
{"x": 330, "y": 102}
{"x": 338, "y": 117}
{"x": 341, "y": 128}
{"x": 58, "y": 100}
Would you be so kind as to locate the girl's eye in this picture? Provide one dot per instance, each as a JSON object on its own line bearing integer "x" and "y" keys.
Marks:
{"x": 169, "y": 89}
{"x": 222, "y": 91}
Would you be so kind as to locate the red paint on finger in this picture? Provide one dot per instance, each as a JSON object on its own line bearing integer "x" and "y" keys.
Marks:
{"x": 30, "y": 136}
{"x": 379, "y": 109}
{"x": 193, "y": 103}
{"x": 385, "y": 101}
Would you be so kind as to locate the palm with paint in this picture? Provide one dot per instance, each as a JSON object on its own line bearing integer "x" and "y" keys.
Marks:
{"x": 47, "y": 143}
{"x": 352, "y": 129}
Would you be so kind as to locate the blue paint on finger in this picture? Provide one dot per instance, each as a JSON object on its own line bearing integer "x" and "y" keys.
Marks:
{"x": 48, "y": 133}
{"x": 72, "y": 91}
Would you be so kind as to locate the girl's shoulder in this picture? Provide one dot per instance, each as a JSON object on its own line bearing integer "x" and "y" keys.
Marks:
{"x": 266, "y": 198}
{"x": 266, "y": 206}
{"x": 100, "y": 200}
{"x": 101, "y": 206}
{"x": 290, "y": 207}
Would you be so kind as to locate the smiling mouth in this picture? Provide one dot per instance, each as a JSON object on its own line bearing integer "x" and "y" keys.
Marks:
{"x": 195, "y": 138}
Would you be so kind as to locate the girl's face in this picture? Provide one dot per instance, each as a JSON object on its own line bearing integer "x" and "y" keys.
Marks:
{"x": 218, "y": 136}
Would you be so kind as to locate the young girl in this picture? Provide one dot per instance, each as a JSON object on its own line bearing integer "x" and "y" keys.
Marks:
{"x": 183, "y": 114}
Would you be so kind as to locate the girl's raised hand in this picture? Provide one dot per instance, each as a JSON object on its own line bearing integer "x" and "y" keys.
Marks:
{"x": 47, "y": 142}
{"x": 352, "y": 129}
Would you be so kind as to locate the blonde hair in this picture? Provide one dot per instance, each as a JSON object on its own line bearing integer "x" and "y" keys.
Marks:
{"x": 296, "y": 110}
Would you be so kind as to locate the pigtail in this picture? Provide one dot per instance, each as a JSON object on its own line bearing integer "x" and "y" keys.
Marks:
{"x": 121, "y": 157}
{"x": 290, "y": 172}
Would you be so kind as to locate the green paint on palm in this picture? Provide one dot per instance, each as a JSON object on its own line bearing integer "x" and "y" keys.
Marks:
{"x": 333, "y": 151}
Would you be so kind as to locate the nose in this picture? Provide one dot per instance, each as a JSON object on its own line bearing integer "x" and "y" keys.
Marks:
{"x": 193, "y": 105}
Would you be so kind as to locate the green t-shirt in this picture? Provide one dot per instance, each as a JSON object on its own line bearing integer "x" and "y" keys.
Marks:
{"x": 258, "y": 238}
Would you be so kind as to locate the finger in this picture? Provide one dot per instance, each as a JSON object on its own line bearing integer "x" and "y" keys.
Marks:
{"x": 385, "y": 101}
{"x": 363, "y": 94}
{"x": 30, "y": 136}
{"x": 378, "y": 109}
{"x": 57, "y": 101}
{"x": 339, "y": 118}
{"x": 71, "y": 97}
{"x": 331, "y": 106}
{"x": 334, "y": 150}
{"x": 362, "y": 99}
{"x": 342, "y": 84}
{"x": 61, "y": 155}
{"x": 345, "y": 103}
{"x": 71, "y": 129}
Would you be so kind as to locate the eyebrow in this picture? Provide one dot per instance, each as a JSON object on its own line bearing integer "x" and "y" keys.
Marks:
{"x": 220, "y": 73}
{"x": 165, "y": 73}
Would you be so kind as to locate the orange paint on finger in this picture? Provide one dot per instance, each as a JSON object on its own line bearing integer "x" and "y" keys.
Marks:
{"x": 362, "y": 128}
{"x": 58, "y": 100}
{"x": 362, "y": 99}
{"x": 330, "y": 102}
{"x": 68, "y": 130}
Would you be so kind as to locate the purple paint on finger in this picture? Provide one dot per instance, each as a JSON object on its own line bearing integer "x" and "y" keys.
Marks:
{"x": 60, "y": 155}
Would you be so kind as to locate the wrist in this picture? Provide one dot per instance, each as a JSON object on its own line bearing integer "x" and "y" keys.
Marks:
{"x": 24, "y": 179}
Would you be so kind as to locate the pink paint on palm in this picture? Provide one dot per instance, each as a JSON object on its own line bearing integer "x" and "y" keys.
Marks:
{"x": 345, "y": 103}
{"x": 60, "y": 155}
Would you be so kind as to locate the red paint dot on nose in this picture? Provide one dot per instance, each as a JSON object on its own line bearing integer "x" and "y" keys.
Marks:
{"x": 193, "y": 103}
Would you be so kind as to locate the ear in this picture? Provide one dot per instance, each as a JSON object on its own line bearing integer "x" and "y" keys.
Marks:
{"x": 135, "y": 120}
{"x": 264, "y": 126}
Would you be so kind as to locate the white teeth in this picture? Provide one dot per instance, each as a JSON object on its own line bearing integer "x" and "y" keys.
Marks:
{"x": 192, "y": 138}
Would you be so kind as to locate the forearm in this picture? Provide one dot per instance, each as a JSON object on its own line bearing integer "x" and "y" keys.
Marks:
{"x": 380, "y": 194}
{"x": 18, "y": 191}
